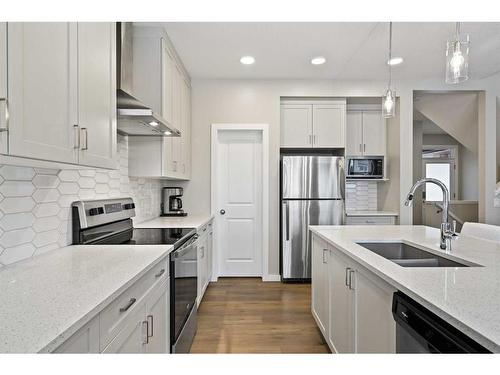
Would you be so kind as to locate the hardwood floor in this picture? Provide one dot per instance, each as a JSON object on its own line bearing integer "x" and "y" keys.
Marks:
{"x": 245, "y": 315}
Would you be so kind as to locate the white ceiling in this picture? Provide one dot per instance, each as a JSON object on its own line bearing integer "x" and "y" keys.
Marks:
{"x": 353, "y": 50}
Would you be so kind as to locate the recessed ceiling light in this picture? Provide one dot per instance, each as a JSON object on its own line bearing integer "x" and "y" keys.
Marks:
{"x": 167, "y": 132}
{"x": 395, "y": 61}
{"x": 153, "y": 123}
{"x": 247, "y": 60}
{"x": 319, "y": 60}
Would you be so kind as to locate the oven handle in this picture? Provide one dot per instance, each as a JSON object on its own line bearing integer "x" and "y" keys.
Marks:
{"x": 186, "y": 247}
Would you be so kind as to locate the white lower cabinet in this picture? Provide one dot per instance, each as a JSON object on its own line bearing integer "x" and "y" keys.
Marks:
{"x": 371, "y": 220}
{"x": 351, "y": 305}
{"x": 319, "y": 284}
{"x": 85, "y": 340}
{"x": 137, "y": 321}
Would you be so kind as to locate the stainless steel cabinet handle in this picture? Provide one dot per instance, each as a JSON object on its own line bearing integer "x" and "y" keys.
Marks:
{"x": 150, "y": 325}
{"x": 347, "y": 276}
{"x": 128, "y": 305}
{"x": 360, "y": 148}
{"x": 76, "y": 134}
{"x": 350, "y": 278}
{"x": 85, "y": 139}
{"x": 314, "y": 139}
{"x": 324, "y": 259}
{"x": 4, "y": 128}
{"x": 145, "y": 337}
{"x": 162, "y": 271}
{"x": 364, "y": 146}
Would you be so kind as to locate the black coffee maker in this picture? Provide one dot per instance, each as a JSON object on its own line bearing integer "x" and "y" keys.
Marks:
{"x": 171, "y": 202}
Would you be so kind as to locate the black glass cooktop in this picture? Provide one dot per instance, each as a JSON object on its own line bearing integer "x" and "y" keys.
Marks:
{"x": 151, "y": 236}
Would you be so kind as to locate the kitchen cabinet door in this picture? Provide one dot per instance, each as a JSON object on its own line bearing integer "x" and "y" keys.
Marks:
{"x": 319, "y": 284}
{"x": 97, "y": 94}
{"x": 296, "y": 125}
{"x": 177, "y": 121}
{"x": 341, "y": 332}
{"x": 329, "y": 125}
{"x": 375, "y": 325}
{"x": 3, "y": 88}
{"x": 354, "y": 133}
{"x": 374, "y": 134}
{"x": 42, "y": 63}
{"x": 133, "y": 337}
{"x": 158, "y": 317}
{"x": 202, "y": 267}
{"x": 85, "y": 340}
{"x": 210, "y": 252}
{"x": 186, "y": 127}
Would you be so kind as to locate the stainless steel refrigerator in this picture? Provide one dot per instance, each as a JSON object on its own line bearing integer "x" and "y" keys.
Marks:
{"x": 312, "y": 193}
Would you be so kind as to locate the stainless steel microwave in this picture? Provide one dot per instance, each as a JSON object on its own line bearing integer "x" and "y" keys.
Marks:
{"x": 369, "y": 168}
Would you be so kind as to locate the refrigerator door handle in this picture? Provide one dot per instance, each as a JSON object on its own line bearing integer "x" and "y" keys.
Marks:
{"x": 286, "y": 210}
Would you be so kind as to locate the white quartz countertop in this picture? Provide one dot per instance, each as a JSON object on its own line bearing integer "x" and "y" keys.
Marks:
{"x": 466, "y": 297}
{"x": 371, "y": 213}
{"x": 45, "y": 299}
{"x": 189, "y": 221}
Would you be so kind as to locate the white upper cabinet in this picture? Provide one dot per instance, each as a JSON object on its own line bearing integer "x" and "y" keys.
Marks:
{"x": 3, "y": 88}
{"x": 313, "y": 125}
{"x": 329, "y": 125}
{"x": 366, "y": 133}
{"x": 61, "y": 92}
{"x": 42, "y": 80}
{"x": 296, "y": 125}
{"x": 161, "y": 82}
{"x": 97, "y": 94}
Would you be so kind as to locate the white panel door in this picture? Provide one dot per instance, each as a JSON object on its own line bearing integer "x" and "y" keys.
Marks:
{"x": 354, "y": 133}
{"x": 374, "y": 133}
{"x": 97, "y": 93}
{"x": 329, "y": 125}
{"x": 42, "y": 76}
{"x": 296, "y": 125}
{"x": 239, "y": 202}
{"x": 3, "y": 88}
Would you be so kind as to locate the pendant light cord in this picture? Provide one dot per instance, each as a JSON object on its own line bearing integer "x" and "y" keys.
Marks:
{"x": 390, "y": 54}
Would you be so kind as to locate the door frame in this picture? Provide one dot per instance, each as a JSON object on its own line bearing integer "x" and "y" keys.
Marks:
{"x": 264, "y": 130}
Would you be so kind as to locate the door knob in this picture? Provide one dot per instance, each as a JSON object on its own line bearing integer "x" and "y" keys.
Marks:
{"x": 222, "y": 212}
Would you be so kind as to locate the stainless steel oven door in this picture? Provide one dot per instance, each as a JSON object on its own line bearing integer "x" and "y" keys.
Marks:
{"x": 184, "y": 284}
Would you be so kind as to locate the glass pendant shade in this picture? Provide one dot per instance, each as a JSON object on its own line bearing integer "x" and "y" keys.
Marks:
{"x": 389, "y": 103}
{"x": 457, "y": 60}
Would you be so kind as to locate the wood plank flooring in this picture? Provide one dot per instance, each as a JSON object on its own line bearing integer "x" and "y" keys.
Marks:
{"x": 245, "y": 315}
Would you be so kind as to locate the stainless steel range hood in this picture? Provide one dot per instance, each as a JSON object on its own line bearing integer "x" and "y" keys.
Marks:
{"x": 134, "y": 117}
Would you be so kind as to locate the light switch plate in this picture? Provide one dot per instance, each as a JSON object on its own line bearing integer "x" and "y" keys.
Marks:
{"x": 496, "y": 202}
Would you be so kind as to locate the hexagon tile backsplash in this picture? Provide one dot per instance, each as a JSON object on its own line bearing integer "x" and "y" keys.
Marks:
{"x": 35, "y": 214}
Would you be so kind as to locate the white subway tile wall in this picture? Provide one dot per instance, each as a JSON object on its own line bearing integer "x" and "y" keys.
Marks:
{"x": 35, "y": 203}
{"x": 361, "y": 196}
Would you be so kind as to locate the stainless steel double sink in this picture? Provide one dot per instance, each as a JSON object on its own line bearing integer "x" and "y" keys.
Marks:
{"x": 409, "y": 256}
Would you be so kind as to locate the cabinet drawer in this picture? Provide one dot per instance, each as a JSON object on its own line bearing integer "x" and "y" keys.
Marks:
{"x": 114, "y": 316}
{"x": 370, "y": 220}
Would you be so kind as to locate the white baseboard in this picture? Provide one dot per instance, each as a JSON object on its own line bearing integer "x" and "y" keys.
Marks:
{"x": 271, "y": 278}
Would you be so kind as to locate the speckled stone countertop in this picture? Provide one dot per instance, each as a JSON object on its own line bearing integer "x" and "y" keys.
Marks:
{"x": 189, "y": 221}
{"x": 466, "y": 297}
{"x": 371, "y": 213}
{"x": 45, "y": 299}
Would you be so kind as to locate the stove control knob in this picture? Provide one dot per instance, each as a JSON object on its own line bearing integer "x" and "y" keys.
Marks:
{"x": 128, "y": 206}
{"x": 96, "y": 211}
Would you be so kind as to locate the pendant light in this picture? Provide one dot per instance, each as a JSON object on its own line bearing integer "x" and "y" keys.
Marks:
{"x": 389, "y": 98}
{"x": 457, "y": 58}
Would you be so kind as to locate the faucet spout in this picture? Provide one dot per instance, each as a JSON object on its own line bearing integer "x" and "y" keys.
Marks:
{"x": 446, "y": 232}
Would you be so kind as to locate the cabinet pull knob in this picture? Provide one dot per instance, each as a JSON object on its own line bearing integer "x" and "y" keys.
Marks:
{"x": 324, "y": 251}
{"x": 150, "y": 325}
{"x": 128, "y": 305}
{"x": 162, "y": 271}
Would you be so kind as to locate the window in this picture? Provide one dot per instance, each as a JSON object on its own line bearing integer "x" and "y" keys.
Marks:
{"x": 440, "y": 171}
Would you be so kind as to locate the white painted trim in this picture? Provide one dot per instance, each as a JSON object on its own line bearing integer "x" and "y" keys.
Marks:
{"x": 264, "y": 128}
{"x": 270, "y": 277}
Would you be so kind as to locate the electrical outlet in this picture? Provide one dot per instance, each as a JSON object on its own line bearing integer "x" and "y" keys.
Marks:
{"x": 496, "y": 202}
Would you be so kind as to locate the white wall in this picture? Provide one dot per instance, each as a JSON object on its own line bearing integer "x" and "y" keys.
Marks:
{"x": 250, "y": 101}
